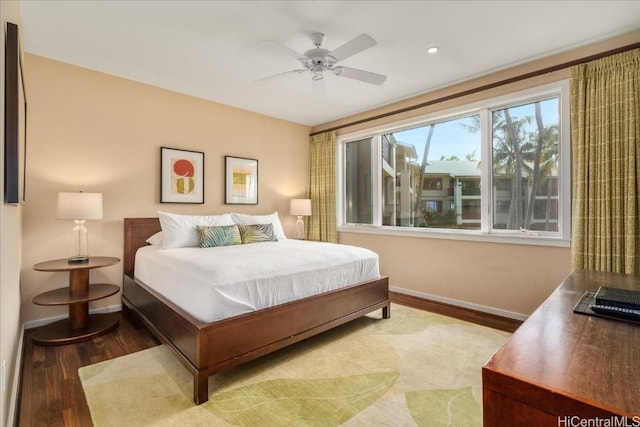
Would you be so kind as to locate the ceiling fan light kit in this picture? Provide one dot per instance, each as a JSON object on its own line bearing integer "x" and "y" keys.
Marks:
{"x": 318, "y": 60}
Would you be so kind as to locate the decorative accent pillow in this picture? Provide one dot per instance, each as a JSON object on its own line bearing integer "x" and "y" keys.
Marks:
{"x": 261, "y": 219}
{"x": 218, "y": 235}
{"x": 179, "y": 231}
{"x": 255, "y": 233}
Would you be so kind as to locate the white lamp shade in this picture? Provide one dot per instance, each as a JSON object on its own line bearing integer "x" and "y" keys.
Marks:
{"x": 300, "y": 207}
{"x": 80, "y": 205}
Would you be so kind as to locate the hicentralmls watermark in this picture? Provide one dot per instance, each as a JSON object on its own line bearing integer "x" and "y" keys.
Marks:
{"x": 613, "y": 421}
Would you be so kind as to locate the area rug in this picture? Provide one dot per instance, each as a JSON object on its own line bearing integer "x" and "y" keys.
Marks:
{"x": 415, "y": 369}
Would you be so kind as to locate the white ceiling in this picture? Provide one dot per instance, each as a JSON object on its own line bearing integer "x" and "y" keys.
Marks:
{"x": 212, "y": 49}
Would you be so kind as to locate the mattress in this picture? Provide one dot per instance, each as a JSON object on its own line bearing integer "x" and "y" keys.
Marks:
{"x": 216, "y": 283}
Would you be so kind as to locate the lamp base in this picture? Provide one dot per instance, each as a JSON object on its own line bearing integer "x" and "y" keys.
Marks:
{"x": 79, "y": 243}
{"x": 299, "y": 231}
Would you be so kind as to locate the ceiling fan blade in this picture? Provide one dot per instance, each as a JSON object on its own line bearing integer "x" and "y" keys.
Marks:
{"x": 364, "y": 76}
{"x": 350, "y": 48}
{"x": 275, "y": 76}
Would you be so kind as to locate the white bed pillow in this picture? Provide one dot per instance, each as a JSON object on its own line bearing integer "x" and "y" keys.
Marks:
{"x": 272, "y": 219}
{"x": 156, "y": 239}
{"x": 179, "y": 231}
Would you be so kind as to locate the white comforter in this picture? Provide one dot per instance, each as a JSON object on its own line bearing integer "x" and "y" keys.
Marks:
{"x": 216, "y": 283}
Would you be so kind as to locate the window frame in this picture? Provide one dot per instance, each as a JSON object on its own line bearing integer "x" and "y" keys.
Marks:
{"x": 487, "y": 233}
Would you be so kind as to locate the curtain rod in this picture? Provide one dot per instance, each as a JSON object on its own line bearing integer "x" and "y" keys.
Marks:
{"x": 486, "y": 87}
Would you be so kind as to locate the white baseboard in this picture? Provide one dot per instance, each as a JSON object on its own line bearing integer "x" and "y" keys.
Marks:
{"x": 459, "y": 303}
{"x": 41, "y": 322}
{"x": 15, "y": 383}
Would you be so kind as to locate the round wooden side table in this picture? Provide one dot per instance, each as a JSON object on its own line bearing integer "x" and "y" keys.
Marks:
{"x": 80, "y": 326}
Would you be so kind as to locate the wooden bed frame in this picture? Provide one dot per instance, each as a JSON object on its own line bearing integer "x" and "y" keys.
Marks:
{"x": 207, "y": 348}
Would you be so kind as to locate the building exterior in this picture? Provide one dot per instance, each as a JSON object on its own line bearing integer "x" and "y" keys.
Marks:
{"x": 450, "y": 193}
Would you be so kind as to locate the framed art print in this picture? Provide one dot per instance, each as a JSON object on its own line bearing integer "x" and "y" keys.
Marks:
{"x": 181, "y": 176}
{"x": 241, "y": 181}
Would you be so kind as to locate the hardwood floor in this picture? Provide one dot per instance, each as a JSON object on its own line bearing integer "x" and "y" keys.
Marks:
{"x": 51, "y": 393}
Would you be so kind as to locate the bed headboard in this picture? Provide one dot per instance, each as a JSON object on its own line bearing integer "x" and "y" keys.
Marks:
{"x": 136, "y": 233}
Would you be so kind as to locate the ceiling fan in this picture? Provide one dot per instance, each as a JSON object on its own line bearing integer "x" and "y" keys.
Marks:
{"x": 319, "y": 60}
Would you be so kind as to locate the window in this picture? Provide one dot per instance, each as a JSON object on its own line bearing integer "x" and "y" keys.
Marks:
{"x": 525, "y": 161}
{"x": 358, "y": 181}
{"x": 432, "y": 184}
{"x": 493, "y": 168}
{"x": 433, "y": 205}
{"x": 426, "y": 157}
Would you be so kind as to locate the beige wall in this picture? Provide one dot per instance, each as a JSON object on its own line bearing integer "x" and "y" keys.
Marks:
{"x": 10, "y": 244}
{"x": 99, "y": 133}
{"x": 507, "y": 277}
{"x": 485, "y": 276}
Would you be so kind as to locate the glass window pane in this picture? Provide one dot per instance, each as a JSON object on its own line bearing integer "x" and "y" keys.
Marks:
{"x": 525, "y": 166}
{"x": 470, "y": 210}
{"x": 433, "y": 170}
{"x": 432, "y": 184}
{"x": 358, "y": 180}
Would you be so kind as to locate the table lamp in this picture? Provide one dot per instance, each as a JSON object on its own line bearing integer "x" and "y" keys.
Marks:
{"x": 300, "y": 207}
{"x": 79, "y": 207}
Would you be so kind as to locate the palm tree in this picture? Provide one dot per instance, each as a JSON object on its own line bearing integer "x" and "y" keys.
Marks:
{"x": 545, "y": 160}
{"x": 423, "y": 168}
{"x": 512, "y": 155}
{"x": 515, "y": 149}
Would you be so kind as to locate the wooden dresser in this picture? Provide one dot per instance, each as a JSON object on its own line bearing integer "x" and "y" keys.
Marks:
{"x": 560, "y": 368}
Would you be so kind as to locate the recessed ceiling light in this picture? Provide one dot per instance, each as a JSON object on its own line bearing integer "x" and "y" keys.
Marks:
{"x": 433, "y": 49}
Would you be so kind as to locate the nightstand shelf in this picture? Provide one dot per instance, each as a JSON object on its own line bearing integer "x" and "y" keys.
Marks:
{"x": 63, "y": 296}
{"x": 80, "y": 326}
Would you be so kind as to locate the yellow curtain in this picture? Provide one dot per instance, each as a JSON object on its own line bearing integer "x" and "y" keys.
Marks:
{"x": 605, "y": 136}
{"x": 321, "y": 225}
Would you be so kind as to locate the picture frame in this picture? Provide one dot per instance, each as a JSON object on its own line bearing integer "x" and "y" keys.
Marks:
{"x": 241, "y": 181}
{"x": 181, "y": 176}
{"x": 15, "y": 128}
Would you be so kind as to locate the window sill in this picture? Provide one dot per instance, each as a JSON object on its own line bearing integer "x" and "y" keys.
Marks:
{"x": 466, "y": 235}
